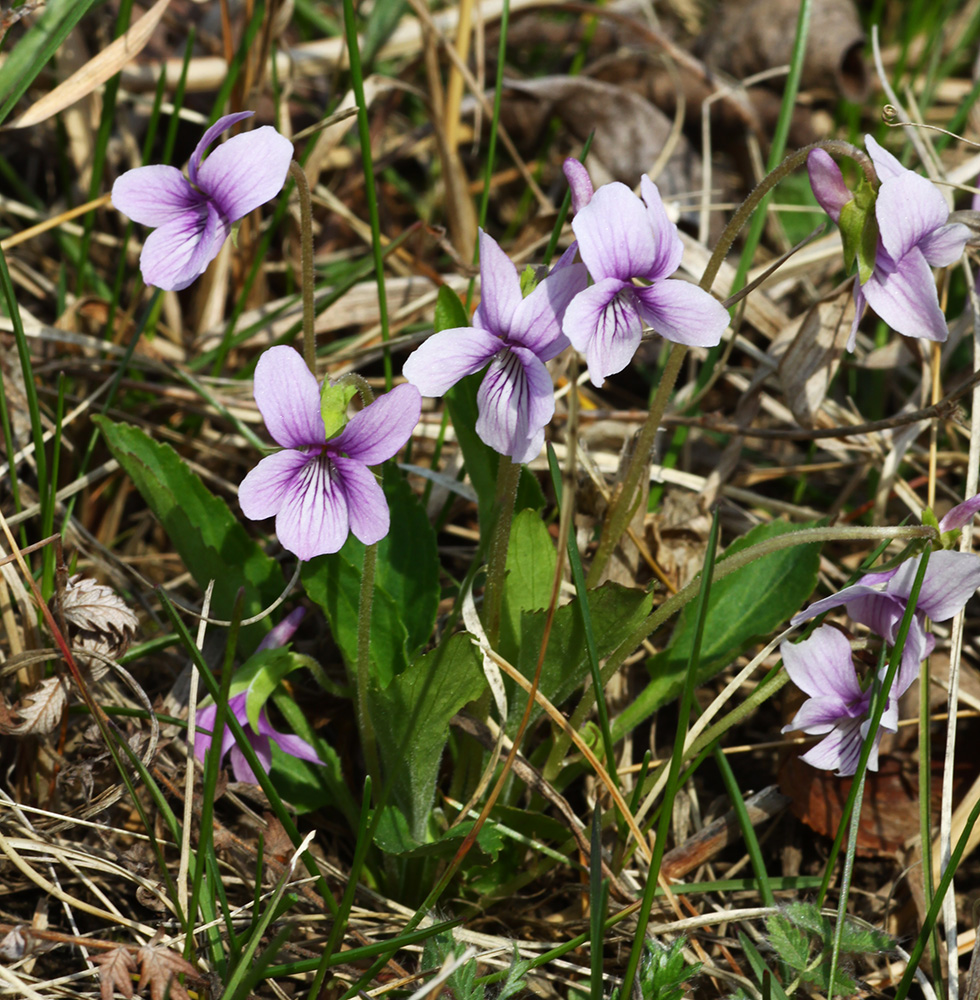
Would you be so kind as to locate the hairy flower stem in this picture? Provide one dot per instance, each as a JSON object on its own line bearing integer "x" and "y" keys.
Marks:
{"x": 306, "y": 250}
{"x": 365, "y": 603}
{"x": 622, "y": 506}
{"x": 508, "y": 476}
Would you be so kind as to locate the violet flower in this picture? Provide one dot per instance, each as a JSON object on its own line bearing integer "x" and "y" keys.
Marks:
{"x": 621, "y": 238}
{"x": 913, "y": 237}
{"x": 879, "y": 600}
{"x": 516, "y": 335}
{"x": 262, "y": 739}
{"x": 318, "y": 489}
{"x": 822, "y": 667}
{"x": 193, "y": 218}
{"x": 960, "y": 515}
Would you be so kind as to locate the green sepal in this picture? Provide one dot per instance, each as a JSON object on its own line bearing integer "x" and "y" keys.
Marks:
{"x": 234, "y": 233}
{"x": 859, "y": 230}
{"x": 334, "y": 400}
{"x": 529, "y": 281}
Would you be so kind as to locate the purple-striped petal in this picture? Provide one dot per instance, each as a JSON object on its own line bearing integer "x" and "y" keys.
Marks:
{"x": 683, "y": 312}
{"x": 667, "y": 246}
{"x": 840, "y": 750}
{"x": 177, "y": 253}
{"x": 288, "y": 398}
{"x": 945, "y": 246}
{"x": 246, "y": 171}
{"x": 614, "y": 235}
{"x": 263, "y": 491}
{"x": 951, "y": 580}
{"x": 516, "y": 400}
{"x": 822, "y": 666}
{"x": 366, "y": 504}
{"x": 905, "y": 298}
{"x": 604, "y": 324}
{"x": 908, "y": 209}
{"x": 500, "y": 289}
{"x": 441, "y": 361}
{"x": 376, "y": 433}
{"x": 240, "y": 766}
{"x": 313, "y": 519}
{"x": 221, "y": 125}
{"x": 155, "y": 195}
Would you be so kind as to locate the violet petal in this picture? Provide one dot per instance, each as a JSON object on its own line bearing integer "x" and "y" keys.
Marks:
{"x": 378, "y": 431}
{"x": 436, "y": 365}
{"x": 155, "y": 195}
{"x": 366, "y": 504}
{"x": 288, "y": 398}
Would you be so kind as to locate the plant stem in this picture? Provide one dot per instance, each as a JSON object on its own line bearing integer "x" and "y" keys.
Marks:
{"x": 508, "y": 476}
{"x": 363, "y": 679}
{"x": 306, "y": 249}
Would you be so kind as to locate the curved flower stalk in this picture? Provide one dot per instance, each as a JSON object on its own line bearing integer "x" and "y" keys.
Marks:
{"x": 879, "y": 600}
{"x": 620, "y": 238}
{"x": 516, "y": 336}
{"x": 837, "y": 708}
{"x": 255, "y": 687}
{"x": 318, "y": 488}
{"x": 913, "y": 237}
{"x": 193, "y": 218}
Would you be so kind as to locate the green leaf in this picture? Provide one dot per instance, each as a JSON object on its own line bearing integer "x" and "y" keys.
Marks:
{"x": 209, "y": 539}
{"x": 411, "y": 719}
{"x": 615, "y": 611}
{"x": 450, "y": 312}
{"x": 747, "y": 605}
{"x": 809, "y": 917}
{"x": 790, "y": 943}
{"x": 406, "y": 585}
{"x": 531, "y": 559}
{"x": 857, "y": 939}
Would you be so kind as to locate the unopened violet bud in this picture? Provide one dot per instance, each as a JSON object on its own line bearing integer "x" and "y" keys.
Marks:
{"x": 579, "y": 183}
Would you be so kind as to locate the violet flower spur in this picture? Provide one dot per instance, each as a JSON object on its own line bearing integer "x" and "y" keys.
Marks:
{"x": 823, "y": 668}
{"x": 516, "y": 336}
{"x": 621, "y": 238}
{"x": 262, "y": 739}
{"x": 913, "y": 237}
{"x": 879, "y": 600}
{"x": 317, "y": 488}
{"x": 193, "y": 218}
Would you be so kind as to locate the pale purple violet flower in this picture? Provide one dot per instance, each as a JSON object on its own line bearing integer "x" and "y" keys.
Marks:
{"x": 318, "y": 489}
{"x": 261, "y": 741}
{"x": 822, "y": 667}
{"x": 913, "y": 237}
{"x": 516, "y": 336}
{"x": 621, "y": 238}
{"x": 193, "y": 218}
{"x": 878, "y": 600}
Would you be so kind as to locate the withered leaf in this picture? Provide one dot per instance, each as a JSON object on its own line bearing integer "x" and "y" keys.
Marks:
{"x": 99, "y": 622}
{"x": 14, "y": 944}
{"x": 159, "y": 968}
{"x": 116, "y": 968}
{"x": 38, "y": 712}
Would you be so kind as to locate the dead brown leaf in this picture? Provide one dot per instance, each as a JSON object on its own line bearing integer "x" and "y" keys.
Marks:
{"x": 38, "y": 712}
{"x": 116, "y": 970}
{"x": 159, "y": 969}
{"x": 100, "y": 622}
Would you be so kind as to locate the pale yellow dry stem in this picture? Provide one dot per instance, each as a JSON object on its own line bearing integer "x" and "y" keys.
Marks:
{"x": 56, "y": 220}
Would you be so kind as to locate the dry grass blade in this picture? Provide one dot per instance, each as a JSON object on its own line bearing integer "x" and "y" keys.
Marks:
{"x": 96, "y": 71}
